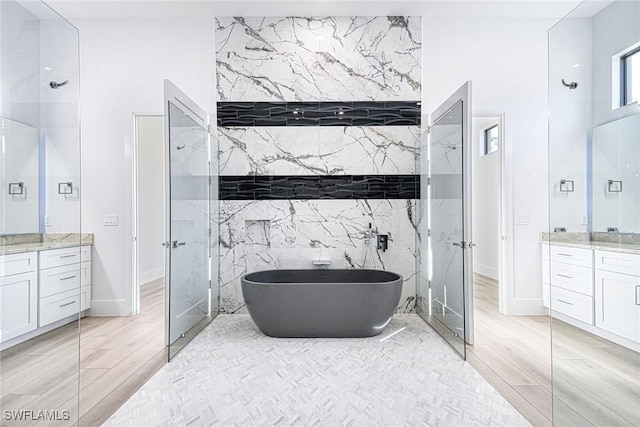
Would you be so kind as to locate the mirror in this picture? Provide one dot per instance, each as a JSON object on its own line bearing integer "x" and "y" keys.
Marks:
{"x": 615, "y": 175}
{"x": 19, "y": 168}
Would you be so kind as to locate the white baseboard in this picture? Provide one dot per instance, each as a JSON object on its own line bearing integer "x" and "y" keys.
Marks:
{"x": 110, "y": 307}
{"x": 597, "y": 331}
{"x": 151, "y": 275}
{"x": 527, "y": 307}
{"x": 485, "y": 270}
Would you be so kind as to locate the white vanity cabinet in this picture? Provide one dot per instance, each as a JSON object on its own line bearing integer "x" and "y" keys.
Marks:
{"x": 617, "y": 290}
{"x": 568, "y": 281}
{"x": 41, "y": 287}
{"x": 64, "y": 282}
{"x": 598, "y": 288}
{"x": 18, "y": 294}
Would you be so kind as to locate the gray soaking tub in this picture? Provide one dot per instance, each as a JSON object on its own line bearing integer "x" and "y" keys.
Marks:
{"x": 321, "y": 303}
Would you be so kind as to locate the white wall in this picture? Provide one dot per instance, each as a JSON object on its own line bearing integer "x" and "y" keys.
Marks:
{"x": 507, "y": 61}
{"x": 150, "y": 197}
{"x": 20, "y": 64}
{"x": 569, "y": 121}
{"x": 615, "y": 28}
{"x": 123, "y": 64}
{"x": 486, "y": 201}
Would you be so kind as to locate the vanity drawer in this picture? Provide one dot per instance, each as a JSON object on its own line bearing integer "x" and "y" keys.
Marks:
{"x": 65, "y": 256}
{"x": 58, "y": 307}
{"x": 569, "y": 255}
{"x": 618, "y": 262}
{"x": 572, "y": 304}
{"x": 65, "y": 278}
{"x": 18, "y": 263}
{"x": 572, "y": 277}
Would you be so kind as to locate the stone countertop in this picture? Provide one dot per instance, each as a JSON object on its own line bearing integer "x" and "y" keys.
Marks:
{"x": 48, "y": 241}
{"x": 628, "y": 248}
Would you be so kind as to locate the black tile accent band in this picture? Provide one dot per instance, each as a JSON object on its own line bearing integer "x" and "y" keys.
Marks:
{"x": 365, "y": 113}
{"x": 303, "y": 187}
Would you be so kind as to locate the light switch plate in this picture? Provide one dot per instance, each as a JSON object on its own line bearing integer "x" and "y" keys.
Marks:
{"x": 110, "y": 220}
{"x": 522, "y": 219}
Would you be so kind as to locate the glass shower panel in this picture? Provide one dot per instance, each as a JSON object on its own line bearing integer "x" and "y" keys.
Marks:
{"x": 214, "y": 224}
{"x": 445, "y": 291}
{"x": 591, "y": 253}
{"x": 43, "y": 286}
{"x": 188, "y": 220}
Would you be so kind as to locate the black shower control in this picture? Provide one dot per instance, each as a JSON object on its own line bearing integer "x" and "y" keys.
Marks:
{"x": 383, "y": 242}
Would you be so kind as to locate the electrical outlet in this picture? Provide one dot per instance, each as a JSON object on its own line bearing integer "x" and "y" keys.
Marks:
{"x": 584, "y": 220}
{"x": 47, "y": 221}
{"x": 522, "y": 220}
{"x": 110, "y": 220}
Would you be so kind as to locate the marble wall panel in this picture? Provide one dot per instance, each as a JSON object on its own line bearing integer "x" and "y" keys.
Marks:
{"x": 298, "y": 232}
{"x": 318, "y": 150}
{"x": 318, "y": 59}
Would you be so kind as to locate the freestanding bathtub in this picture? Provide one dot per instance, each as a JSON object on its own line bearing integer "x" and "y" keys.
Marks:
{"x": 321, "y": 303}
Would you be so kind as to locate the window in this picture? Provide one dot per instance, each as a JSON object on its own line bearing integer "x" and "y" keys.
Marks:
{"x": 491, "y": 137}
{"x": 630, "y": 78}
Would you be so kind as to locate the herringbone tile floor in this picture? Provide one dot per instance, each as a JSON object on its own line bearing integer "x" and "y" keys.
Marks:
{"x": 231, "y": 374}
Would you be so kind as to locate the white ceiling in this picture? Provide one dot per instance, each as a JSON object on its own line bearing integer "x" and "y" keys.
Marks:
{"x": 189, "y": 8}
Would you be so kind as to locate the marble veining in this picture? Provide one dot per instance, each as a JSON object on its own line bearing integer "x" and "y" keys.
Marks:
{"x": 48, "y": 241}
{"x": 311, "y": 60}
{"x": 318, "y": 151}
{"x": 319, "y": 34}
{"x": 318, "y": 59}
{"x": 565, "y": 237}
{"x": 615, "y": 242}
{"x": 19, "y": 239}
{"x": 265, "y": 235}
{"x": 605, "y": 246}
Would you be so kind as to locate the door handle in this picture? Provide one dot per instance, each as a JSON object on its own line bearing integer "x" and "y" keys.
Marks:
{"x": 464, "y": 244}
{"x": 637, "y": 294}
{"x": 175, "y": 244}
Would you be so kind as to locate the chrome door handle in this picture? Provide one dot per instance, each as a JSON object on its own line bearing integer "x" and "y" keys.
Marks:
{"x": 175, "y": 244}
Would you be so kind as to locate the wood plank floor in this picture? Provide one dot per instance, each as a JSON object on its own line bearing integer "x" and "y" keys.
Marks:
{"x": 117, "y": 356}
{"x": 595, "y": 382}
{"x": 513, "y": 353}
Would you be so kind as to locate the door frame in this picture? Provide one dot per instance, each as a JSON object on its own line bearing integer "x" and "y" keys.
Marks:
{"x": 135, "y": 202}
{"x": 502, "y": 211}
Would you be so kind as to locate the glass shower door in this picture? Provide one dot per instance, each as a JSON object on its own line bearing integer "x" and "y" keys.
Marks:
{"x": 449, "y": 295}
{"x": 187, "y": 162}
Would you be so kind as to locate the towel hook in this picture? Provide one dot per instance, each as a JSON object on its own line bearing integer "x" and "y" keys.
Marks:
{"x": 56, "y": 85}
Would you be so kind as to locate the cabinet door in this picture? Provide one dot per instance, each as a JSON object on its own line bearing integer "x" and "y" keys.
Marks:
{"x": 18, "y": 305}
{"x": 618, "y": 304}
